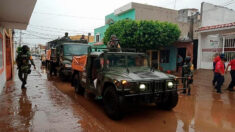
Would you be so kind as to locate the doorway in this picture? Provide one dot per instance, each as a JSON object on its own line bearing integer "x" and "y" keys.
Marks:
{"x": 182, "y": 52}
{"x": 8, "y": 59}
{"x": 195, "y": 50}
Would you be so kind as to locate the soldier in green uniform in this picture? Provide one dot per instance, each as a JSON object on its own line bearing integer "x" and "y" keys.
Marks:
{"x": 113, "y": 44}
{"x": 23, "y": 65}
{"x": 187, "y": 75}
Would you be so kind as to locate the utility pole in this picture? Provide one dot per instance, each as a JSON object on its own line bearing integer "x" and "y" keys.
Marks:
{"x": 20, "y": 38}
{"x": 175, "y": 4}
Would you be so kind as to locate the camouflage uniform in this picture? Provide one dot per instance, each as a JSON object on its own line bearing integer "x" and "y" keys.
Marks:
{"x": 187, "y": 74}
{"x": 113, "y": 44}
{"x": 23, "y": 65}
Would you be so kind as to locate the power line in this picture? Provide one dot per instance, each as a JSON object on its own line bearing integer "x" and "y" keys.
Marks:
{"x": 64, "y": 15}
{"x": 226, "y": 3}
{"x": 60, "y": 31}
{"x": 57, "y": 28}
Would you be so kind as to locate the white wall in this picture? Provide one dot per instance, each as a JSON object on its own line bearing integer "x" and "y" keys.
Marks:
{"x": 215, "y": 15}
{"x": 208, "y": 42}
{"x": 3, "y": 75}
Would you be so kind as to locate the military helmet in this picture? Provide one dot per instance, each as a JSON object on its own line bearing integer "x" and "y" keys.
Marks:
{"x": 187, "y": 59}
{"x": 25, "y": 48}
{"x": 113, "y": 36}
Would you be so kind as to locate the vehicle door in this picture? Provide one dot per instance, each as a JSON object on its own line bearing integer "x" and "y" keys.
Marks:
{"x": 94, "y": 72}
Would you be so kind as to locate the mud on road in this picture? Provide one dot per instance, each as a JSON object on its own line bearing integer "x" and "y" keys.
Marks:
{"x": 49, "y": 104}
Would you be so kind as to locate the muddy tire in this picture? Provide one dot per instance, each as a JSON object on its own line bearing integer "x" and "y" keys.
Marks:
{"x": 62, "y": 76}
{"x": 111, "y": 103}
{"x": 78, "y": 88}
{"x": 169, "y": 103}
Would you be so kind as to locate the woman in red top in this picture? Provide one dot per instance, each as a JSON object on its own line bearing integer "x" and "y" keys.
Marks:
{"x": 232, "y": 72}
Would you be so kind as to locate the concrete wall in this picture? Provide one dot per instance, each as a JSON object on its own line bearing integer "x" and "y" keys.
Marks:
{"x": 3, "y": 74}
{"x": 148, "y": 12}
{"x": 215, "y": 15}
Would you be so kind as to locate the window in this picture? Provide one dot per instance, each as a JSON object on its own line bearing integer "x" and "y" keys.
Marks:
{"x": 97, "y": 38}
{"x": 1, "y": 54}
{"x": 164, "y": 56}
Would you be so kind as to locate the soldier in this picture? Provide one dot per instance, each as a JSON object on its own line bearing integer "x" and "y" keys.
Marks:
{"x": 114, "y": 44}
{"x": 23, "y": 65}
{"x": 187, "y": 74}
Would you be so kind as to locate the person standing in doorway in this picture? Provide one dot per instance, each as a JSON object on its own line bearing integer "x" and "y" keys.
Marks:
{"x": 232, "y": 72}
{"x": 179, "y": 62}
{"x": 219, "y": 74}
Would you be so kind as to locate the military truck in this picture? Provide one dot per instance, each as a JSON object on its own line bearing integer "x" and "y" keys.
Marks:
{"x": 123, "y": 78}
{"x": 62, "y": 51}
{"x": 65, "y": 53}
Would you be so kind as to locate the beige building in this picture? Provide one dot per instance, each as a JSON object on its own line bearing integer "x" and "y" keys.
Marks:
{"x": 78, "y": 37}
{"x": 188, "y": 20}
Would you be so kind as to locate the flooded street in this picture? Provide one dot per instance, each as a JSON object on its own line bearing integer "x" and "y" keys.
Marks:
{"x": 52, "y": 105}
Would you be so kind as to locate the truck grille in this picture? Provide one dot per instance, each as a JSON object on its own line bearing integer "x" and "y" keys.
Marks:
{"x": 157, "y": 86}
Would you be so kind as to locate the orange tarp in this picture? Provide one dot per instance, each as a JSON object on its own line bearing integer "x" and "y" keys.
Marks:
{"x": 48, "y": 54}
{"x": 79, "y": 63}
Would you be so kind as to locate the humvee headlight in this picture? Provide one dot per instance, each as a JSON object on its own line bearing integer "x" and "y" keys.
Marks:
{"x": 124, "y": 82}
{"x": 170, "y": 84}
{"x": 142, "y": 86}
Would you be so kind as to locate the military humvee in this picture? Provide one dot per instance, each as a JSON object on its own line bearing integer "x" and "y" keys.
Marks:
{"x": 121, "y": 78}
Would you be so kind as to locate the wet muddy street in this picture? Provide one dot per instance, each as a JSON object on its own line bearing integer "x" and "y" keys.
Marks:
{"x": 51, "y": 105}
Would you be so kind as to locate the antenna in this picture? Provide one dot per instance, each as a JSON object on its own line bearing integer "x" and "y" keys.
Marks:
{"x": 175, "y": 4}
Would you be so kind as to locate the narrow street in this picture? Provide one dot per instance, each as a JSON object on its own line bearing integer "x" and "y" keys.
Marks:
{"x": 52, "y": 105}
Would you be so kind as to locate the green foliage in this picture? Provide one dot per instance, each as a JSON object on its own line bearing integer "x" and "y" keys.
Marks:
{"x": 143, "y": 34}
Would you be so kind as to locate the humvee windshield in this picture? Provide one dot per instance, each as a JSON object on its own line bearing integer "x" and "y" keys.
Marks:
{"x": 134, "y": 61}
{"x": 75, "y": 49}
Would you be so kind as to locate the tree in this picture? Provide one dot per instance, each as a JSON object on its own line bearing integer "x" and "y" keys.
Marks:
{"x": 143, "y": 34}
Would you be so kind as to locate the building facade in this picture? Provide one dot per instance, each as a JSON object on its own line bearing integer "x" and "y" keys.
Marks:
{"x": 184, "y": 18}
{"x": 216, "y": 34}
{"x": 89, "y": 38}
{"x": 13, "y": 15}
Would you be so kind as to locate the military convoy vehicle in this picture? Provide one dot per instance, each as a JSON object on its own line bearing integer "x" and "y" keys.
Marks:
{"x": 61, "y": 52}
{"x": 65, "y": 53}
{"x": 122, "y": 78}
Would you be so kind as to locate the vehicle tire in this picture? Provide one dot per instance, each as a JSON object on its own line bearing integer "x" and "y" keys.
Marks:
{"x": 61, "y": 75}
{"x": 170, "y": 102}
{"x": 111, "y": 103}
{"x": 78, "y": 88}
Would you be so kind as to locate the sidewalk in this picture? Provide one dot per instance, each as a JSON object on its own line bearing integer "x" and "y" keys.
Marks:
{"x": 40, "y": 107}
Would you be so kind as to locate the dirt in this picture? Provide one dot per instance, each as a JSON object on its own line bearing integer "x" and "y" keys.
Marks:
{"x": 49, "y": 104}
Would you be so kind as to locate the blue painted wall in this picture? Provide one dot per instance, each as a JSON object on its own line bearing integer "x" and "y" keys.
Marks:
{"x": 127, "y": 15}
{"x": 172, "y": 62}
